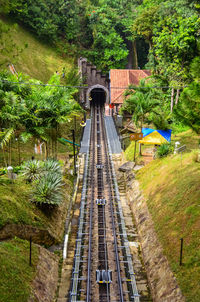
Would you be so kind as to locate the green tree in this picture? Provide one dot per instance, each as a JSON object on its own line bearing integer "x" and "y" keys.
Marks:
{"x": 141, "y": 101}
{"x": 188, "y": 109}
{"x": 12, "y": 111}
{"x": 51, "y": 107}
{"x": 34, "y": 111}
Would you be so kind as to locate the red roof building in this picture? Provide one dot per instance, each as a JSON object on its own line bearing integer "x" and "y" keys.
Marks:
{"x": 120, "y": 79}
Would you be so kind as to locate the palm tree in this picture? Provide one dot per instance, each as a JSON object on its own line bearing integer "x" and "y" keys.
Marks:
{"x": 52, "y": 107}
{"x": 141, "y": 101}
{"x": 10, "y": 120}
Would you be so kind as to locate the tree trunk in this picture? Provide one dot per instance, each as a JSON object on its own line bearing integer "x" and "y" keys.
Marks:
{"x": 135, "y": 57}
{"x": 56, "y": 142}
{"x": 18, "y": 148}
{"x": 172, "y": 99}
{"x": 52, "y": 146}
{"x": 4, "y": 157}
{"x": 10, "y": 153}
{"x": 140, "y": 149}
{"x": 75, "y": 124}
{"x": 129, "y": 45}
{"x": 46, "y": 150}
{"x": 177, "y": 96}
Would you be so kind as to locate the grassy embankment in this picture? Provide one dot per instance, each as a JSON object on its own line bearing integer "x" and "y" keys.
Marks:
{"x": 16, "y": 207}
{"x": 38, "y": 60}
{"x": 171, "y": 187}
{"x": 15, "y": 274}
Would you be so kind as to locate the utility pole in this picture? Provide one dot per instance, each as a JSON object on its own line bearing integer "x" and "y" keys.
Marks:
{"x": 74, "y": 151}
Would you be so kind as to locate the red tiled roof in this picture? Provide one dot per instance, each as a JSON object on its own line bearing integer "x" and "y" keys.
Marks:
{"x": 123, "y": 78}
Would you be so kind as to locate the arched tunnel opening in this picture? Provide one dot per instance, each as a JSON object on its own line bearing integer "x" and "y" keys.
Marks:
{"x": 98, "y": 97}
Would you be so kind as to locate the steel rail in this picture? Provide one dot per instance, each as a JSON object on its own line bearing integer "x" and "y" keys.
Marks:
{"x": 113, "y": 220}
{"x": 92, "y": 144}
{"x": 99, "y": 153}
{"x": 77, "y": 257}
{"x": 102, "y": 138}
{"x": 135, "y": 295}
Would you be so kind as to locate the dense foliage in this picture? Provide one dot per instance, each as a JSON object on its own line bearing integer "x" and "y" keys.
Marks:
{"x": 101, "y": 30}
{"x": 34, "y": 111}
{"x": 188, "y": 109}
{"x": 119, "y": 34}
{"x": 113, "y": 33}
{"x": 172, "y": 31}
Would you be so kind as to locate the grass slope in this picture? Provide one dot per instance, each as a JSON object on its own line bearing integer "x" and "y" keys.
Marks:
{"x": 15, "y": 206}
{"x": 15, "y": 274}
{"x": 38, "y": 60}
{"x": 171, "y": 186}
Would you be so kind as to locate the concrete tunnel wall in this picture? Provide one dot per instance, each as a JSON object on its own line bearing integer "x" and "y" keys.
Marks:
{"x": 95, "y": 87}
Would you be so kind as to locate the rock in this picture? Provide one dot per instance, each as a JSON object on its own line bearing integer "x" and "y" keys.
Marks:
{"x": 128, "y": 166}
{"x": 44, "y": 285}
{"x": 198, "y": 157}
{"x": 138, "y": 167}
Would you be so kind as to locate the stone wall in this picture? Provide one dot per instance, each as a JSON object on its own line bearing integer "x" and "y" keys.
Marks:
{"x": 39, "y": 236}
{"x": 44, "y": 285}
{"x": 93, "y": 78}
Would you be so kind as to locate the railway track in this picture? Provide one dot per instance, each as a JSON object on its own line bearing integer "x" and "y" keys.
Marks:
{"x": 102, "y": 268}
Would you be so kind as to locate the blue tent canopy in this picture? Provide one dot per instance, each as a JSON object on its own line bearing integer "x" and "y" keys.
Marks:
{"x": 153, "y": 136}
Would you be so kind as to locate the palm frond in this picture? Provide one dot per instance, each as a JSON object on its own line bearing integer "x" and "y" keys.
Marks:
{"x": 6, "y": 136}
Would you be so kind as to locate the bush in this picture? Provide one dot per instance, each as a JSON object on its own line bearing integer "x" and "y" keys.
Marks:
{"x": 32, "y": 170}
{"x": 17, "y": 169}
{"x": 52, "y": 165}
{"x": 3, "y": 171}
{"x": 164, "y": 150}
{"x": 47, "y": 179}
{"x": 48, "y": 189}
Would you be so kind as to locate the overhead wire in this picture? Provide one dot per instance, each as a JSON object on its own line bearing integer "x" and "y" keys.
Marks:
{"x": 86, "y": 87}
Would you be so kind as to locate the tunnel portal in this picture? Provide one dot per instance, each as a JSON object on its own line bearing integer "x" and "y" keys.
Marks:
{"x": 98, "y": 96}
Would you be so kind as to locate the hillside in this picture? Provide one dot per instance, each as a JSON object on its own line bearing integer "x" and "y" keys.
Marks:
{"x": 15, "y": 280}
{"x": 171, "y": 188}
{"x": 37, "y": 59}
{"x": 20, "y": 217}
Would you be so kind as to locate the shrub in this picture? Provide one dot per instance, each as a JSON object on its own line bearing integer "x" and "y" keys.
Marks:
{"x": 32, "y": 170}
{"x": 164, "y": 150}
{"x": 52, "y": 165}
{"x": 48, "y": 189}
{"x": 17, "y": 169}
{"x": 47, "y": 179}
{"x": 3, "y": 171}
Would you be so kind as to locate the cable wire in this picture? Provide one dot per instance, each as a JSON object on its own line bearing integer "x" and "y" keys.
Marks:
{"x": 86, "y": 87}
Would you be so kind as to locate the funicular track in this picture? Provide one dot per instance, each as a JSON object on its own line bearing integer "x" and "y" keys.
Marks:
{"x": 102, "y": 264}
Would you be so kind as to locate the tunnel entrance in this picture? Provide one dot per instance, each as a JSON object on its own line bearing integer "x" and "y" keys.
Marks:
{"x": 98, "y": 96}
